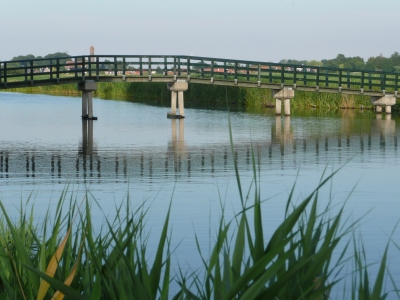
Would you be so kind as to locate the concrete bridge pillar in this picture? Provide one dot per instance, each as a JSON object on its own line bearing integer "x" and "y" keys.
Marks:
{"x": 285, "y": 94}
{"x": 87, "y": 87}
{"x": 177, "y": 88}
{"x": 386, "y": 101}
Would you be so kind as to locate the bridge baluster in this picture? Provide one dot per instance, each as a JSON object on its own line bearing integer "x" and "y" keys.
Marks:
{"x": 58, "y": 69}
{"x": 149, "y": 66}
{"x": 369, "y": 81}
{"x": 326, "y": 77}
{"x": 383, "y": 81}
{"x": 97, "y": 67}
{"x": 75, "y": 66}
{"x": 83, "y": 66}
{"x": 270, "y": 73}
{"x": 51, "y": 69}
{"x": 90, "y": 66}
{"x": 362, "y": 79}
{"x": 26, "y": 71}
{"x": 236, "y": 66}
{"x": 174, "y": 65}
{"x": 31, "y": 69}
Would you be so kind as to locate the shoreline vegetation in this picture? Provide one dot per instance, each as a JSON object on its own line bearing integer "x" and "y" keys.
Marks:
{"x": 312, "y": 250}
{"x": 246, "y": 97}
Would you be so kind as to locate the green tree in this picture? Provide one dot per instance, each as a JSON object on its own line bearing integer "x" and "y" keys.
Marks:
{"x": 314, "y": 63}
{"x": 22, "y": 60}
{"x": 370, "y": 65}
{"x": 395, "y": 57}
{"x": 387, "y": 64}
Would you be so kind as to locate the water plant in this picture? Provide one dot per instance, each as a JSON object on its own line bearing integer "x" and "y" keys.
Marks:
{"x": 66, "y": 256}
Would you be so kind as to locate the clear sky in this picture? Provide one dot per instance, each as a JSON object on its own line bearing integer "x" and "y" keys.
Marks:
{"x": 264, "y": 30}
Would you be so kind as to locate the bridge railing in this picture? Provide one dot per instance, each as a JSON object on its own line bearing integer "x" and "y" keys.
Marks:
{"x": 101, "y": 67}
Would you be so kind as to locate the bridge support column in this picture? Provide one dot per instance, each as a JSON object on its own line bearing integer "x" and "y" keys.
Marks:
{"x": 173, "y": 102}
{"x": 285, "y": 94}
{"x": 278, "y": 107}
{"x": 84, "y": 104}
{"x": 287, "y": 107}
{"x": 87, "y": 88}
{"x": 180, "y": 104}
{"x": 177, "y": 88}
{"x": 386, "y": 101}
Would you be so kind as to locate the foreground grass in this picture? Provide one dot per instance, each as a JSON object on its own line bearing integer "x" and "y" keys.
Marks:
{"x": 62, "y": 255}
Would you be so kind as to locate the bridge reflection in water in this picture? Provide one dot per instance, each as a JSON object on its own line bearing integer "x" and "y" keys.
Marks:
{"x": 281, "y": 150}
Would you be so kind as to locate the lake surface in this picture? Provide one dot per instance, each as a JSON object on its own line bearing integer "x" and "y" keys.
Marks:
{"x": 134, "y": 148}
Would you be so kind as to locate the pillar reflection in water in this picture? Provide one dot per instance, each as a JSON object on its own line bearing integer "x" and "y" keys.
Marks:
{"x": 177, "y": 144}
{"x": 283, "y": 136}
{"x": 88, "y": 151}
{"x": 386, "y": 128}
{"x": 87, "y": 147}
{"x": 177, "y": 147}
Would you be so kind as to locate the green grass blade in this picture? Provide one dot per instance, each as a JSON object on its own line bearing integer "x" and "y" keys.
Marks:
{"x": 57, "y": 285}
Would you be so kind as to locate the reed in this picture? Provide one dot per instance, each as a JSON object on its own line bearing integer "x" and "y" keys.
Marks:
{"x": 62, "y": 256}
{"x": 198, "y": 93}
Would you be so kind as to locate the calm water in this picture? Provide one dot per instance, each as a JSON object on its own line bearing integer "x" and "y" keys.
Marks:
{"x": 134, "y": 147}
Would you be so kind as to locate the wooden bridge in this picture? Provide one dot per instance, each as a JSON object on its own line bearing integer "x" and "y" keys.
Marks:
{"x": 178, "y": 71}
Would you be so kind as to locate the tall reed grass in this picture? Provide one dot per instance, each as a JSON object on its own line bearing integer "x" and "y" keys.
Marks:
{"x": 65, "y": 256}
{"x": 249, "y": 97}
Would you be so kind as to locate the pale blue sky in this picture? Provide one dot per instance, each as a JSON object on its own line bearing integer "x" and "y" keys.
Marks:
{"x": 250, "y": 30}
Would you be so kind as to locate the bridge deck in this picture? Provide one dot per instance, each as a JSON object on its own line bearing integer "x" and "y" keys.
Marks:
{"x": 200, "y": 70}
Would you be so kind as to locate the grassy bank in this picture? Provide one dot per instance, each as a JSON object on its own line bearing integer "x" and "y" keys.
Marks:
{"x": 249, "y": 97}
{"x": 303, "y": 258}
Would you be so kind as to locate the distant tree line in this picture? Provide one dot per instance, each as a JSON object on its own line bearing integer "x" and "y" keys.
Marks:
{"x": 378, "y": 63}
{"x": 45, "y": 61}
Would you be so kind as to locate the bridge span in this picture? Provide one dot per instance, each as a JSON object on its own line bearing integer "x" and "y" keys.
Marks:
{"x": 177, "y": 71}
